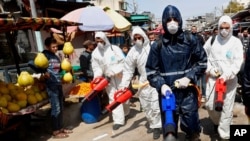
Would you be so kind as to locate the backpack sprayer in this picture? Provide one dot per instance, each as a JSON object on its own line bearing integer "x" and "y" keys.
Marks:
{"x": 168, "y": 106}
{"x": 220, "y": 88}
{"x": 97, "y": 85}
{"x": 121, "y": 96}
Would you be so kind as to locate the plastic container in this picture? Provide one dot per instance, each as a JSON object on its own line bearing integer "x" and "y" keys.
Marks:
{"x": 76, "y": 68}
{"x": 91, "y": 110}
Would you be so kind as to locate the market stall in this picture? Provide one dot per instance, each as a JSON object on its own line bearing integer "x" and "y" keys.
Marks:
{"x": 17, "y": 101}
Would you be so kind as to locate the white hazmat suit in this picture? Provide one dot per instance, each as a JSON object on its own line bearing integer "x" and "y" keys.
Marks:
{"x": 148, "y": 96}
{"x": 225, "y": 55}
{"x": 108, "y": 60}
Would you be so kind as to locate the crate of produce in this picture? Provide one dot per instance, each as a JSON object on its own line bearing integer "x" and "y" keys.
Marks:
{"x": 80, "y": 90}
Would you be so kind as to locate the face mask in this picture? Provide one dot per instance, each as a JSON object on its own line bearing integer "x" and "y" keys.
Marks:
{"x": 172, "y": 27}
{"x": 152, "y": 42}
{"x": 138, "y": 43}
{"x": 100, "y": 45}
{"x": 224, "y": 33}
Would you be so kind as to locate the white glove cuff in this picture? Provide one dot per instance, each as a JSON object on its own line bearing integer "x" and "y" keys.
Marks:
{"x": 165, "y": 88}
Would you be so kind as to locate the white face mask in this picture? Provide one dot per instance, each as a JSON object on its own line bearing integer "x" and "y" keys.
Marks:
{"x": 100, "y": 45}
{"x": 224, "y": 33}
{"x": 152, "y": 42}
{"x": 172, "y": 27}
{"x": 138, "y": 43}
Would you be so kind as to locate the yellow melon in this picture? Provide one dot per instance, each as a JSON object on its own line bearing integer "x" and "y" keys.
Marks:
{"x": 21, "y": 96}
{"x": 7, "y": 97}
{"x": 22, "y": 103}
{"x": 13, "y": 107}
{"x": 68, "y": 48}
{"x": 65, "y": 65}
{"x": 29, "y": 91}
{"x": 67, "y": 77}
{"x": 4, "y": 110}
{"x": 4, "y": 90}
{"x": 3, "y": 102}
{"x": 25, "y": 79}
{"x": 11, "y": 86}
{"x": 38, "y": 97}
{"x": 41, "y": 61}
{"x": 32, "y": 99}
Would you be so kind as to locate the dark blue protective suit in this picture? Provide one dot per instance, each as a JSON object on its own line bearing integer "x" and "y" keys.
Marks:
{"x": 178, "y": 55}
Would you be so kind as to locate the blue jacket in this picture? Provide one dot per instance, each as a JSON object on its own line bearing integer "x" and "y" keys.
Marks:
{"x": 175, "y": 55}
{"x": 54, "y": 68}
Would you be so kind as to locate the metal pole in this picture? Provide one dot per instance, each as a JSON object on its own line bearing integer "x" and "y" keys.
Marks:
{"x": 11, "y": 38}
{"x": 38, "y": 36}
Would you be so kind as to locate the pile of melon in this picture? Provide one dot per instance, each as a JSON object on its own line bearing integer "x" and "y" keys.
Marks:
{"x": 28, "y": 91}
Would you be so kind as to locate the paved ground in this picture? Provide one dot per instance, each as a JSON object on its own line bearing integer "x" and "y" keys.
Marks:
{"x": 134, "y": 130}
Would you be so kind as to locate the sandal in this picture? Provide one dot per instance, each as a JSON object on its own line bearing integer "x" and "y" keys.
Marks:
{"x": 66, "y": 131}
{"x": 60, "y": 135}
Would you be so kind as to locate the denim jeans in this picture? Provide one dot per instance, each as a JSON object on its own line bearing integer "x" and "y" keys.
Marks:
{"x": 55, "y": 94}
{"x": 202, "y": 84}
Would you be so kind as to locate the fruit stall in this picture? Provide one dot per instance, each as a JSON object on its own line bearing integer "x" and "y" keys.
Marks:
{"x": 28, "y": 93}
{"x": 17, "y": 100}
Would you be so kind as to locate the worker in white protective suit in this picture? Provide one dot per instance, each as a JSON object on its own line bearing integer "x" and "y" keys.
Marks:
{"x": 148, "y": 96}
{"x": 225, "y": 57}
{"x": 108, "y": 60}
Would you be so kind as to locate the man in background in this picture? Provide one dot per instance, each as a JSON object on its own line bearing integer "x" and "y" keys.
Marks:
{"x": 85, "y": 61}
{"x": 197, "y": 35}
{"x": 151, "y": 37}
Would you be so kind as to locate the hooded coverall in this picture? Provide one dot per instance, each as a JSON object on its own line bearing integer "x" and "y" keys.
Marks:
{"x": 176, "y": 57}
{"x": 148, "y": 96}
{"x": 106, "y": 60}
{"x": 226, "y": 55}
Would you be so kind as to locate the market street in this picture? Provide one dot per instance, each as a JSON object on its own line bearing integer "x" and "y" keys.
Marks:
{"x": 134, "y": 130}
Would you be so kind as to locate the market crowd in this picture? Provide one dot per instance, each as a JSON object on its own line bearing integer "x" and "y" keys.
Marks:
{"x": 184, "y": 65}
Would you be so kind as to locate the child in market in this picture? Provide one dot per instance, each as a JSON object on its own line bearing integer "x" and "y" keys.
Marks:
{"x": 54, "y": 88}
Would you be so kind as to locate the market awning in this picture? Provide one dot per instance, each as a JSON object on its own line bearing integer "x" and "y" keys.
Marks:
{"x": 10, "y": 24}
{"x": 7, "y": 25}
{"x": 241, "y": 14}
{"x": 139, "y": 18}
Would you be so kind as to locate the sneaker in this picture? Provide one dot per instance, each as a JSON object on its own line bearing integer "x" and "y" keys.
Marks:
{"x": 193, "y": 137}
{"x": 156, "y": 133}
{"x": 117, "y": 126}
{"x": 150, "y": 130}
